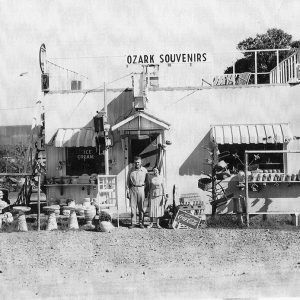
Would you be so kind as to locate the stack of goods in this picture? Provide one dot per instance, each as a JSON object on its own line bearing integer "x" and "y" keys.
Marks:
{"x": 272, "y": 175}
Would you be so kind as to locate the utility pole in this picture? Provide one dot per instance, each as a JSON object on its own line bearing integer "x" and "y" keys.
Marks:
{"x": 106, "y": 130}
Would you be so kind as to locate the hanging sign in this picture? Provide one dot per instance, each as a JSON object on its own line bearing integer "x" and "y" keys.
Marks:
{"x": 42, "y": 58}
{"x": 186, "y": 219}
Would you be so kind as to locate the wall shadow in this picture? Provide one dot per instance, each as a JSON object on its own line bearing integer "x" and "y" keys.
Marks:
{"x": 196, "y": 163}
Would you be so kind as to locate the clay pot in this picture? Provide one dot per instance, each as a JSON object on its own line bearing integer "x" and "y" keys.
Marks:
{"x": 288, "y": 177}
{"x": 86, "y": 202}
{"x": 57, "y": 210}
{"x": 80, "y": 210}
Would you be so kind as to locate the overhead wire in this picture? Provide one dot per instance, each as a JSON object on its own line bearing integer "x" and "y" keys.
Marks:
{"x": 16, "y": 108}
{"x": 182, "y": 98}
{"x": 91, "y": 90}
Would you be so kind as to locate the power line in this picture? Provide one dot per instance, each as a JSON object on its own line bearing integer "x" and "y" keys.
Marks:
{"x": 66, "y": 69}
{"x": 185, "y": 96}
{"x": 16, "y": 108}
{"x": 88, "y": 91}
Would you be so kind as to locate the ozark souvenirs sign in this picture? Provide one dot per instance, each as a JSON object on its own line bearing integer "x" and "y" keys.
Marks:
{"x": 166, "y": 58}
{"x": 186, "y": 219}
{"x": 84, "y": 160}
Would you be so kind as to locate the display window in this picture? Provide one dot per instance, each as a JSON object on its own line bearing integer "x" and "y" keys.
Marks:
{"x": 84, "y": 160}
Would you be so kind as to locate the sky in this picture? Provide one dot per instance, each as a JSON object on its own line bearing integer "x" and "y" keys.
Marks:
{"x": 95, "y": 37}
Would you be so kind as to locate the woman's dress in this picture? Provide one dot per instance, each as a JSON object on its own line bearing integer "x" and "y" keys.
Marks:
{"x": 156, "y": 197}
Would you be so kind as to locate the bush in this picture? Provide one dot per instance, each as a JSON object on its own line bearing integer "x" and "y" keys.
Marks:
{"x": 104, "y": 216}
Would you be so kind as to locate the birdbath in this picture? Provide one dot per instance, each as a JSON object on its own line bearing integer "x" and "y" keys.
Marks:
{"x": 51, "y": 224}
{"x": 21, "y": 210}
{"x": 3, "y": 204}
{"x": 73, "y": 222}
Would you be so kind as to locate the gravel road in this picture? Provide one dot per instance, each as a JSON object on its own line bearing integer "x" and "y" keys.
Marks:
{"x": 142, "y": 264}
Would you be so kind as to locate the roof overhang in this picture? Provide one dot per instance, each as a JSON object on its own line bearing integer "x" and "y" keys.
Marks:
{"x": 251, "y": 133}
{"x": 141, "y": 121}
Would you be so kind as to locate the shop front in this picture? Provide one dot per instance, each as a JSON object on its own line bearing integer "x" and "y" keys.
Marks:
{"x": 73, "y": 164}
{"x": 75, "y": 157}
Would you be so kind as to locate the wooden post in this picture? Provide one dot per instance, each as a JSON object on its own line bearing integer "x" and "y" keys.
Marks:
{"x": 255, "y": 65}
{"x": 277, "y": 66}
{"x": 233, "y": 71}
{"x": 246, "y": 188}
{"x": 39, "y": 204}
{"x": 117, "y": 199}
{"x": 106, "y": 158}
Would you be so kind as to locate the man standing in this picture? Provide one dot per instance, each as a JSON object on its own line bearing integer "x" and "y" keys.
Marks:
{"x": 136, "y": 184}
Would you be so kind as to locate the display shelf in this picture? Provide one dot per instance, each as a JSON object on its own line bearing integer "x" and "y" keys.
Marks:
{"x": 72, "y": 184}
{"x": 106, "y": 190}
{"x": 289, "y": 181}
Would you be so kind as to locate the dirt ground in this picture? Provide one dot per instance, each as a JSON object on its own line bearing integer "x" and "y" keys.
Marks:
{"x": 221, "y": 261}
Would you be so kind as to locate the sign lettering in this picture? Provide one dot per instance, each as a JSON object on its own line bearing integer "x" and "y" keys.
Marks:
{"x": 186, "y": 219}
{"x": 166, "y": 58}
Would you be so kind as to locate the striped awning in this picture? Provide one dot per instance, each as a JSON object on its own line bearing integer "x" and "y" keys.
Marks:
{"x": 251, "y": 133}
{"x": 74, "y": 137}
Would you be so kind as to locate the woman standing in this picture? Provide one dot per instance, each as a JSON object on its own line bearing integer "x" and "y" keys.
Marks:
{"x": 157, "y": 194}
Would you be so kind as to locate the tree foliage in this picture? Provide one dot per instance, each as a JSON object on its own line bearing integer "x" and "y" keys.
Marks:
{"x": 273, "y": 39}
{"x": 12, "y": 158}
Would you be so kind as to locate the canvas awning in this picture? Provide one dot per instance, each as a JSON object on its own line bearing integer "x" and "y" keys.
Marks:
{"x": 74, "y": 137}
{"x": 141, "y": 121}
{"x": 251, "y": 133}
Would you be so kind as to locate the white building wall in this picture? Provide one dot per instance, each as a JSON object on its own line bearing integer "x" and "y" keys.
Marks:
{"x": 190, "y": 113}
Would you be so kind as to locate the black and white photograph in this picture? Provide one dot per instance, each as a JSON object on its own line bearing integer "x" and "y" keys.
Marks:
{"x": 149, "y": 149}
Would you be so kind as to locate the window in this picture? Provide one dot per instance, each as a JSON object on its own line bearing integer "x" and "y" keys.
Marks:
{"x": 84, "y": 160}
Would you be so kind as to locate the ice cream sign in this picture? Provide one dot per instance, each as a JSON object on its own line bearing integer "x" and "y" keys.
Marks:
{"x": 86, "y": 155}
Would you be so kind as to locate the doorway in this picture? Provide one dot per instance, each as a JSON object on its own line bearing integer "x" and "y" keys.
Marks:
{"x": 145, "y": 146}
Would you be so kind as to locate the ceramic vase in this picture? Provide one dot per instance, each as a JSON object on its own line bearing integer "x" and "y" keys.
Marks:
{"x": 89, "y": 214}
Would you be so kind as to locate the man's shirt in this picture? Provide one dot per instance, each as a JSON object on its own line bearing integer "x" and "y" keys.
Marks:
{"x": 137, "y": 177}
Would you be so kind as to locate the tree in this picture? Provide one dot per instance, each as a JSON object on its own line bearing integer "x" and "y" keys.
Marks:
{"x": 273, "y": 39}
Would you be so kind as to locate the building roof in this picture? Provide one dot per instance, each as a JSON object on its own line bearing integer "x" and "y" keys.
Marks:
{"x": 14, "y": 135}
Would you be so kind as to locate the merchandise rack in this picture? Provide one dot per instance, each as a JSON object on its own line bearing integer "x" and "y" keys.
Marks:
{"x": 295, "y": 211}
